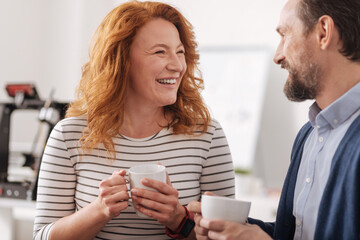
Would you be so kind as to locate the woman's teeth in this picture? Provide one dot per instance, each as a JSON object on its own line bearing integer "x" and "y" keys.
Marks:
{"x": 166, "y": 81}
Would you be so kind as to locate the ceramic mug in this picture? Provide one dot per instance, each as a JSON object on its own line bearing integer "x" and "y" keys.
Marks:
{"x": 224, "y": 208}
{"x": 151, "y": 171}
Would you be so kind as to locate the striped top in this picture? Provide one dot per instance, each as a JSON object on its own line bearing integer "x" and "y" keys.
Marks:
{"x": 69, "y": 178}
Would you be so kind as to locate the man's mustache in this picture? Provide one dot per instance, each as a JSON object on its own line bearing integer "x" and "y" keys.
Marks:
{"x": 285, "y": 65}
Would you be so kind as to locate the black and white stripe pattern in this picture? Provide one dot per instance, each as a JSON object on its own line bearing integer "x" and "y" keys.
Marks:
{"x": 69, "y": 177}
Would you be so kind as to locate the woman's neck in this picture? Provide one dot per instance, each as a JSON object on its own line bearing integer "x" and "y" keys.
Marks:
{"x": 141, "y": 123}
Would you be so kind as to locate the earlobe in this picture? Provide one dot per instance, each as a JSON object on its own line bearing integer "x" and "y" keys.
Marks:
{"x": 325, "y": 28}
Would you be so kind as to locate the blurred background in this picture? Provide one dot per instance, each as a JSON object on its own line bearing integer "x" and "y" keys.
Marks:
{"x": 45, "y": 42}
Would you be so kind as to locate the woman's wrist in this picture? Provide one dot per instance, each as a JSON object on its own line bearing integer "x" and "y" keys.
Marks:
{"x": 99, "y": 212}
{"x": 179, "y": 216}
{"x": 185, "y": 227}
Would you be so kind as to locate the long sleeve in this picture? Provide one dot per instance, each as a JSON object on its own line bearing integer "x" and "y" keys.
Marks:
{"x": 56, "y": 187}
{"x": 218, "y": 171}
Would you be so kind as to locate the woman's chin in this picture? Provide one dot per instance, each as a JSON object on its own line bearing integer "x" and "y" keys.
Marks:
{"x": 169, "y": 101}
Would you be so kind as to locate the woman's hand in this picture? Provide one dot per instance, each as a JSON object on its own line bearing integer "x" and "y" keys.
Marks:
{"x": 162, "y": 205}
{"x": 113, "y": 195}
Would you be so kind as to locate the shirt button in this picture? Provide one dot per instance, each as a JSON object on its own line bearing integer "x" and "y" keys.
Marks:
{"x": 321, "y": 139}
{"x": 298, "y": 223}
{"x": 335, "y": 121}
{"x": 308, "y": 180}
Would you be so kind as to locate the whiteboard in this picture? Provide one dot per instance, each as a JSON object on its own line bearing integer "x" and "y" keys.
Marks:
{"x": 235, "y": 81}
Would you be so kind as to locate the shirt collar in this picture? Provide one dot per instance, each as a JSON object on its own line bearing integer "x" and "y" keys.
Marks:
{"x": 338, "y": 111}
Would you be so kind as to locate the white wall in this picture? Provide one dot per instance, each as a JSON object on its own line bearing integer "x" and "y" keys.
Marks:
{"x": 46, "y": 42}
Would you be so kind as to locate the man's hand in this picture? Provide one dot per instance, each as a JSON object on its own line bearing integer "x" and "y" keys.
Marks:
{"x": 227, "y": 230}
{"x": 223, "y": 230}
{"x": 195, "y": 207}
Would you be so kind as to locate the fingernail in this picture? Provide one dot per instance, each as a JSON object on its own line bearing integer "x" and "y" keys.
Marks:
{"x": 144, "y": 180}
{"x": 134, "y": 191}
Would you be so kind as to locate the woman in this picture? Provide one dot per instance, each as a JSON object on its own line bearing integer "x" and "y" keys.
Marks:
{"x": 138, "y": 102}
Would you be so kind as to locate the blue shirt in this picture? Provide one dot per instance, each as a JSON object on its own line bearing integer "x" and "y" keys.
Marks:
{"x": 330, "y": 126}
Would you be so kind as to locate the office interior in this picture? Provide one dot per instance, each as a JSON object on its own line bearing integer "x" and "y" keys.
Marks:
{"x": 45, "y": 43}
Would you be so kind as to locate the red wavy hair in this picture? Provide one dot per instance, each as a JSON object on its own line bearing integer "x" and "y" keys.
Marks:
{"x": 105, "y": 77}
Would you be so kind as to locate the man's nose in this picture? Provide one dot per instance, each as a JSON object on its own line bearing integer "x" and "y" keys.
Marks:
{"x": 279, "y": 56}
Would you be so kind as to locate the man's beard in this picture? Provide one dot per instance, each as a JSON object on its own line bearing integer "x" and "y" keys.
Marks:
{"x": 303, "y": 82}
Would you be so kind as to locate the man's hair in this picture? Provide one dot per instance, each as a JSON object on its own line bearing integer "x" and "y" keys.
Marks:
{"x": 346, "y": 16}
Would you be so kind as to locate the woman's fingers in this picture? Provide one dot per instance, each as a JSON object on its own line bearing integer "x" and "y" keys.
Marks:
{"x": 154, "y": 204}
{"x": 114, "y": 184}
{"x": 121, "y": 199}
{"x": 165, "y": 199}
{"x": 171, "y": 199}
{"x": 113, "y": 194}
{"x": 161, "y": 187}
{"x": 160, "y": 216}
{"x": 113, "y": 209}
{"x": 160, "y": 203}
{"x": 105, "y": 191}
{"x": 116, "y": 179}
{"x": 168, "y": 181}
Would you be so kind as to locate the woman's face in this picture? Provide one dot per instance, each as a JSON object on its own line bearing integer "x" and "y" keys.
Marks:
{"x": 157, "y": 65}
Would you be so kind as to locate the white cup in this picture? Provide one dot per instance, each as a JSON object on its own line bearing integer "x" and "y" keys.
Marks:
{"x": 151, "y": 171}
{"x": 224, "y": 208}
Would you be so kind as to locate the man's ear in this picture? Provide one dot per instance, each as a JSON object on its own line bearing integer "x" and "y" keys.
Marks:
{"x": 325, "y": 30}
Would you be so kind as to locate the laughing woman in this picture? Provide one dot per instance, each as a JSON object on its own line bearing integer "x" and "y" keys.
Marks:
{"x": 138, "y": 102}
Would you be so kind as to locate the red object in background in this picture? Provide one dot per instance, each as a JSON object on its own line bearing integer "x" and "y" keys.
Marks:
{"x": 28, "y": 90}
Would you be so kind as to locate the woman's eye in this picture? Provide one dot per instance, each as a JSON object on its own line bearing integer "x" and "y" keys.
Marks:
{"x": 181, "y": 51}
{"x": 160, "y": 52}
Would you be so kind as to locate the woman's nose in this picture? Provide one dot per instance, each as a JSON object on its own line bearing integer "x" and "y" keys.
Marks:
{"x": 176, "y": 63}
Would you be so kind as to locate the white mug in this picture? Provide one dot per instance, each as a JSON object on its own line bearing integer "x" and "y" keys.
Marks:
{"x": 224, "y": 208}
{"x": 151, "y": 171}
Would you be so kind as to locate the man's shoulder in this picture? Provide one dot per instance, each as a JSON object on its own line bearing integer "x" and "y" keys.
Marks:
{"x": 303, "y": 132}
{"x": 352, "y": 136}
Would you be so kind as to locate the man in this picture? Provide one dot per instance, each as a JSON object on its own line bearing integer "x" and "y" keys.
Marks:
{"x": 320, "y": 48}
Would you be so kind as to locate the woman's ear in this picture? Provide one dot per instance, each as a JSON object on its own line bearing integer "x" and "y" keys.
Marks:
{"x": 325, "y": 30}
